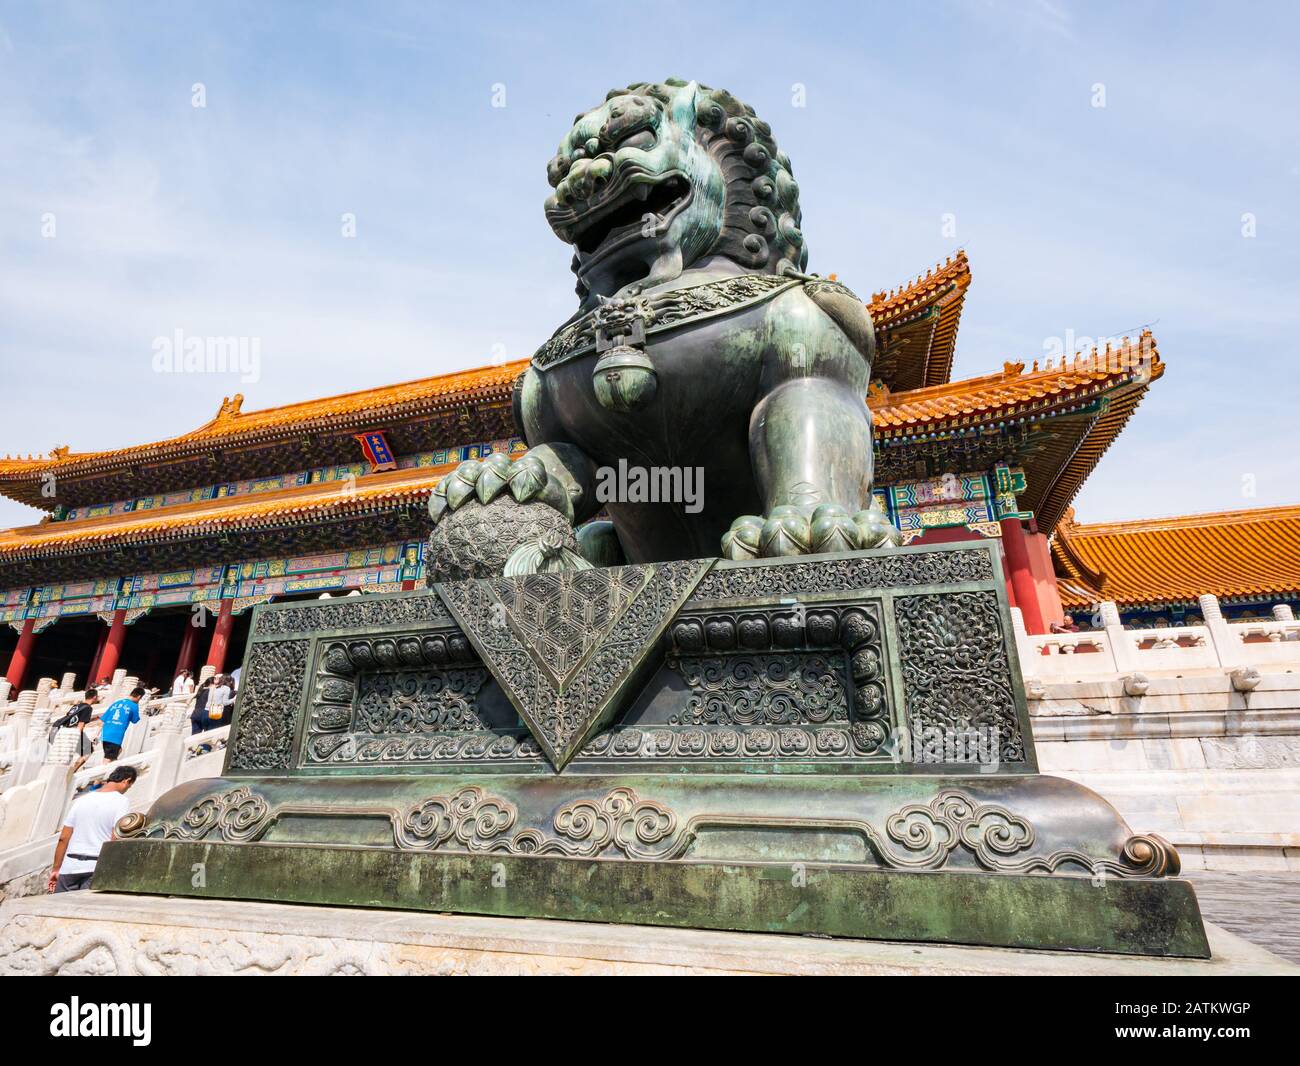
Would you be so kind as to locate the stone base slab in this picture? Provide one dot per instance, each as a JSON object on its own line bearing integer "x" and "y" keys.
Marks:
{"x": 1140, "y": 916}
{"x": 96, "y": 933}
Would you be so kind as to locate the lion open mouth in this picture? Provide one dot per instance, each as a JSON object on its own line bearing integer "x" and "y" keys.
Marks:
{"x": 607, "y": 225}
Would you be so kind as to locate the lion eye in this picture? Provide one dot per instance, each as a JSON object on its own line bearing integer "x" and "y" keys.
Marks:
{"x": 642, "y": 139}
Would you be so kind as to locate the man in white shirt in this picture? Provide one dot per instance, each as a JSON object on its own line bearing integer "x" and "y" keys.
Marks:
{"x": 89, "y": 824}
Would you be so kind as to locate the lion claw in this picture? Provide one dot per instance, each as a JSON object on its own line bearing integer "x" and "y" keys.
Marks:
{"x": 793, "y": 530}
{"x": 484, "y": 480}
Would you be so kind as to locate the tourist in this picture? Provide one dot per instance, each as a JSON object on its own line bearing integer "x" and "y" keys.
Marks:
{"x": 80, "y": 715}
{"x": 89, "y": 823}
{"x": 119, "y": 717}
{"x": 199, "y": 712}
{"x": 234, "y": 677}
{"x": 184, "y": 684}
{"x": 222, "y": 697}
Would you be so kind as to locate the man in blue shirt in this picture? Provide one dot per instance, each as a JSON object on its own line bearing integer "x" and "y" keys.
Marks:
{"x": 121, "y": 714}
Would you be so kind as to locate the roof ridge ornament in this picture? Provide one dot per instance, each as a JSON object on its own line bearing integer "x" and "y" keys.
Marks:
{"x": 230, "y": 407}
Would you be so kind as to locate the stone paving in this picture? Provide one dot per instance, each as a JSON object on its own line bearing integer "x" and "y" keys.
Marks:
{"x": 104, "y": 933}
{"x": 1262, "y": 908}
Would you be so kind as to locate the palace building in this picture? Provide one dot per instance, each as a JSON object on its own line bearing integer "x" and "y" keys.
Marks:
{"x": 152, "y": 555}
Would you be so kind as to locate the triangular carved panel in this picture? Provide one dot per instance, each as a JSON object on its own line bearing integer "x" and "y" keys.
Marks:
{"x": 563, "y": 646}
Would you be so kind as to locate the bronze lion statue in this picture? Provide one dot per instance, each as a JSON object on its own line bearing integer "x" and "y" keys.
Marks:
{"x": 700, "y": 352}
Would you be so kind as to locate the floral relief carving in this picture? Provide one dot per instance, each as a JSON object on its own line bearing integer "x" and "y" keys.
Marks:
{"x": 957, "y": 675}
{"x": 274, "y": 677}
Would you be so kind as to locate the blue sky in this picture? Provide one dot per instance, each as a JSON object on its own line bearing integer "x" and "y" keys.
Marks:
{"x": 226, "y": 220}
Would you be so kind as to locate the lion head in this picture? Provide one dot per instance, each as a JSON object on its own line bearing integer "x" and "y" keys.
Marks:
{"x": 662, "y": 175}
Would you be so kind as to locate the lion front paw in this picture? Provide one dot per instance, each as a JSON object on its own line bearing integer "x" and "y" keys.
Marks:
{"x": 486, "y": 479}
{"x": 511, "y": 528}
{"x": 793, "y": 530}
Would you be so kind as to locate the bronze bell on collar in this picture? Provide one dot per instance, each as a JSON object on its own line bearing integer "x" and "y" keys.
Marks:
{"x": 624, "y": 379}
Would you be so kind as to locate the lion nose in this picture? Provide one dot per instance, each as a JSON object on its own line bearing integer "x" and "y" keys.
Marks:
{"x": 580, "y": 180}
{"x": 600, "y": 170}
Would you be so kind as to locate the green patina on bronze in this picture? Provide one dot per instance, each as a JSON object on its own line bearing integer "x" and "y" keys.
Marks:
{"x": 699, "y": 343}
{"x": 1071, "y": 914}
{"x": 705, "y": 727}
{"x": 804, "y": 737}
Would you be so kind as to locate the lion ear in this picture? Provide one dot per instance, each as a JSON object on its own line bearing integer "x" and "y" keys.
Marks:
{"x": 684, "y": 103}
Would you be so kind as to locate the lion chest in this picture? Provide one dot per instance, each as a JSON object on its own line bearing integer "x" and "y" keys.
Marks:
{"x": 703, "y": 384}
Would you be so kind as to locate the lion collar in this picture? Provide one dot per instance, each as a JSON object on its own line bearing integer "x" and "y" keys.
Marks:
{"x": 660, "y": 312}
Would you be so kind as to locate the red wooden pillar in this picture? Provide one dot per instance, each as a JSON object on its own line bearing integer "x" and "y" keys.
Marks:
{"x": 1040, "y": 563}
{"x": 22, "y": 656}
{"x": 408, "y": 585}
{"x": 189, "y": 646}
{"x": 221, "y": 637}
{"x": 112, "y": 653}
{"x": 92, "y": 675}
{"x": 1015, "y": 549}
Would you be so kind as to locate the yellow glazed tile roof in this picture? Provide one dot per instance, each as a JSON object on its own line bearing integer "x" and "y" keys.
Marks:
{"x": 1015, "y": 391}
{"x": 888, "y": 307}
{"x": 284, "y": 507}
{"x": 233, "y": 424}
{"x": 916, "y": 326}
{"x": 1232, "y": 554}
{"x": 979, "y": 401}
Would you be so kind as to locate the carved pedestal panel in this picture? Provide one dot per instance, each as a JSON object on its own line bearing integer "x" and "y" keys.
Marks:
{"x": 856, "y": 712}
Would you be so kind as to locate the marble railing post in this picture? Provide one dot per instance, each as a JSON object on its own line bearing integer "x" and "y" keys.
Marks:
{"x": 120, "y": 686}
{"x": 1226, "y": 643}
{"x": 25, "y": 704}
{"x": 56, "y": 773}
{"x": 1028, "y": 653}
{"x": 168, "y": 752}
{"x": 1123, "y": 652}
{"x": 37, "y": 744}
{"x": 1282, "y": 613}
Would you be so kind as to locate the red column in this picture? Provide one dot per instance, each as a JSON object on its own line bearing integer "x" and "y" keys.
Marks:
{"x": 1040, "y": 564}
{"x": 189, "y": 646}
{"x": 1020, "y": 574}
{"x": 112, "y": 653}
{"x": 22, "y": 656}
{"x": 92, "y": 675}
{"x": 408, "y": 585}
{"x": 221, "y": 637}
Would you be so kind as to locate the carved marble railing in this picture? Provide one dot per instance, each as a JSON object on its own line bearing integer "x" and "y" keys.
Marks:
{"x": 1218, "y": 646}
{"x": 203, "y": 755}
{"x": 37, "y": 782}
